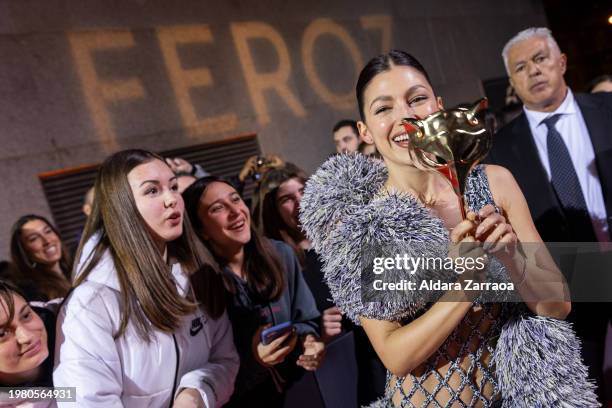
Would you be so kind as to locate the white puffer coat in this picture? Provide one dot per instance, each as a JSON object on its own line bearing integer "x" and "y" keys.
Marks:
{"x": 127, "y": 371}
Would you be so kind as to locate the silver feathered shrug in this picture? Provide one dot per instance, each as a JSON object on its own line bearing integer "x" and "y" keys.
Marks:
{"x": 537, "y": 359}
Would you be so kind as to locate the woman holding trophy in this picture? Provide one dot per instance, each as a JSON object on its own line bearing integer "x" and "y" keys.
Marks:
{"x": 452, "y": 348}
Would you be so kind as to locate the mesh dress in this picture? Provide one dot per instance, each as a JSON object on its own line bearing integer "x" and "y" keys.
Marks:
{"x": 461, "y": 372}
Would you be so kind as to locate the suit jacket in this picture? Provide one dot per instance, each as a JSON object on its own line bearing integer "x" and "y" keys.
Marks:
{"x": 515, "y": 149}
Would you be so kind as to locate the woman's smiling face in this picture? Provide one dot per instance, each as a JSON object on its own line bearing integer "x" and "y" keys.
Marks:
{"x": 41, "y": 243}
{"x": 288, "y": 198}
{"x": 225, "y": 218}
{"x": 398, "y": 93}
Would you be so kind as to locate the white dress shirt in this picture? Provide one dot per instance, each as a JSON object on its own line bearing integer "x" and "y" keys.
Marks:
{"x": 573, "y": 131}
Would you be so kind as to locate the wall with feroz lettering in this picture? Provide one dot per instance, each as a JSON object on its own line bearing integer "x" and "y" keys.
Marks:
{"x": 81, "y": 79}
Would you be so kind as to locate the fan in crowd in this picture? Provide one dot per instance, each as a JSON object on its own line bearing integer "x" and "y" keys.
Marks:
{"x": 27, "y": 337}
{"x": 265, "y": 287}
{"x": 41, "y": 260}
{"x": 276, "y": 214}
{"x": 145, "y": 325}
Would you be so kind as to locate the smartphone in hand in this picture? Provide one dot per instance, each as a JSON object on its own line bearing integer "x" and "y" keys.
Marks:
{"x": 272, "y": 333}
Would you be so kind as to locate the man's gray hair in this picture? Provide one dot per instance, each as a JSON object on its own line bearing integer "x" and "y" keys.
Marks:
{"x": 527, "y": 34}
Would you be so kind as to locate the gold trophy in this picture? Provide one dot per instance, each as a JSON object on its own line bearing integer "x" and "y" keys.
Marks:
{"x": 450, "y": 142}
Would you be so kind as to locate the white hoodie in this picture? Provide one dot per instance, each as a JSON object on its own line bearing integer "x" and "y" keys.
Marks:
{"x": 127, "y": 371}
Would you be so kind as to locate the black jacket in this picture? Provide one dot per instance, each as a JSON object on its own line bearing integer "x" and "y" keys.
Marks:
{"x": 515, "y": 149}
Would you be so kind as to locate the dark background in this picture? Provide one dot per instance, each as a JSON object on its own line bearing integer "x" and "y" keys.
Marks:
{"x": 582, "y": 30}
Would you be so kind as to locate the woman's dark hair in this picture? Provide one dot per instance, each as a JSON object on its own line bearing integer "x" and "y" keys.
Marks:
{"x": 7, "y": 290}
{"x": 383, "y": 63}
{"x": 47, "y": 283}
{"x": 264, "y": 273}
{"x": 346, "y": 122}
{"x": 597, "y": 80}
{"x": 266, "y": 217}
{"x": 6, "y": 270}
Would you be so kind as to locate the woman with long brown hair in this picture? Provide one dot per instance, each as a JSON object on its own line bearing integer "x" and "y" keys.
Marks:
{"x": 264, "y": 286}
{"x": 42, "y": 263}
{"x": 276, "y": 216}
{"x": 276, "y": 207}
{"x": 145, "y": 325}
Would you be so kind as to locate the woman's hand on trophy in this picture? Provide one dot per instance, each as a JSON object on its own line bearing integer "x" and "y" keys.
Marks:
{"x": 464, "y": 245}
{"x": 465, "y": 230}
{"x": 496, "y": 234}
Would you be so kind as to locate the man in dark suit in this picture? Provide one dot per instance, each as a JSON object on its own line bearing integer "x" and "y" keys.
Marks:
{"x": 559, "y": 149}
